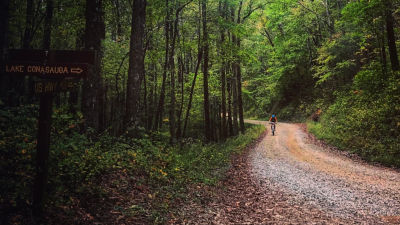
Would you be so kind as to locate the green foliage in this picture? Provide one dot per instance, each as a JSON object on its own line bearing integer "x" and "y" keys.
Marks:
{"x": 365, "y": 120}
{"x": 197, "y": 162}
{"x": 17, "y": 146}
{"x": 328, "y": 57}
{"x": 77, "y": 162}
{"x": 337, "y": 59}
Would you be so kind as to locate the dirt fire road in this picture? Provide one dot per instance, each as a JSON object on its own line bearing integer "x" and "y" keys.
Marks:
{"x": 290, "y": 179}
{"x": 329, "y": 181}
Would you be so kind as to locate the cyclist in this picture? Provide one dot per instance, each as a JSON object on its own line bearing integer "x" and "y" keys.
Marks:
{"x": 273, "y": 120}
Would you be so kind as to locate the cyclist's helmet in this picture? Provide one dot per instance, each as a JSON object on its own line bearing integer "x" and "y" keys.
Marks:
{"x": 273, "y": 115}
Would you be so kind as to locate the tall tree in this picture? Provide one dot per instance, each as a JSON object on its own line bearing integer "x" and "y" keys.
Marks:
{"x": 4, "y": 18}
{"x": 222, "y": 12}
{"x": 94, "y": 33}
{"x": 207, "y": 130}
{"x": 48, "y": 24}
{"x": 136, "y": 60}
{"x": 167, "y": 31}
{"x": 235, "y": 105}
{"x": 394, "y": 60}
{"x": 236, "y": 64}
{"x": 29, "y": 30}
{"x": 189, "y": 105}
{"x": 230, "y": 122}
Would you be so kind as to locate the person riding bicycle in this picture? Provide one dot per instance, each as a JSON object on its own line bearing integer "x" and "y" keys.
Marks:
{"x": 273, "y": 119}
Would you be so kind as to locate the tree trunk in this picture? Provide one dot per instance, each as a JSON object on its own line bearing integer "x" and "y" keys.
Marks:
{"x": 172, "y": 121}
{"x": 117, "y": 8}
{"x": 28, "y": 32}
{"x": 223, "y": 104}
{"x": 235, "y": 106}
{"x": 207, "y": 130}
{"x": 145, "y": 102}
{"x": 181, "y": 84}
{"x": 136, "y": 61}
{"x": 27, "y": 44}
{"x": 391, "y": 39}
{"x": 239, "y": 91}
{"x": 199, "y": 58}
{"x": 4, "y": 18}
{"x": 237, "y": 71}
{"x": 47, "y": 24}
{"x": 331, "y": 24}
{"x": 159, "y": 114}
{"x": 223, "y": 77}
{"x": 94, "y": 33}
{"x": 381, "y": 43}
{"x": 230, "y": 124}
{"x": 74, "y": 94}
{"x": 153, "y": 98}
{"x": 101, "y": 104}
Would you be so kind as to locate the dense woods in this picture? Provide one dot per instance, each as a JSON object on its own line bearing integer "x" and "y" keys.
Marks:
{"x": 148, "y": 58}
{"x": 169, "y": 75}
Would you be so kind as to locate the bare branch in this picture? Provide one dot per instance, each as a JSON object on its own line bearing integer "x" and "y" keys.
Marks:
{"x": 267, "y": 35}
{"x": 251, "y": 10}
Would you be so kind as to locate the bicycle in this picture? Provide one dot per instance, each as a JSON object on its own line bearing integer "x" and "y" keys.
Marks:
{"x": 273, "y": 127}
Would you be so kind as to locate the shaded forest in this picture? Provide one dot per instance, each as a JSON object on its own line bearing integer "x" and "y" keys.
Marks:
{"x": 165, "y": 100}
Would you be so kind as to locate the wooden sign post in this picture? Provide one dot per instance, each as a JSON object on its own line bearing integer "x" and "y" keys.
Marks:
{"x": 57, "y": 70}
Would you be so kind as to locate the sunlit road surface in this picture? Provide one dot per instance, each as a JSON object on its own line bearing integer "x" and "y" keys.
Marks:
{"x": 324, "y": 178}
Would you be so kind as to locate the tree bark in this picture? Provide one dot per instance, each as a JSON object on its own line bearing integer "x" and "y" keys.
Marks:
{"x": 160, "y": 108}
{"x": 28, "y": 32}
{"x": 207, "y": 130}
{"x": 223, "y": 77}
{"x": 331, "y": 24}
{"x": 94, "y": 33}
{"x": 4, "y": 18}
{"x": 199, "y": 58}
{"x": 74, "y": 94}
{"x": 145, "y": 103}
{"x": 235, "y": 106}
{"x": 230, "y": 124}
{"x": 237, "y": 71}
{"x": 381, "y": 43}
{"x": 27, "y": 44}
{"x": 223, "y": 104}
{"x": 117, "y": 18}
{"x": 152, "y": 97}
{"x": 172, "y": 116}
{"x": 48, "y": 24}
{"x": 181, "y": 84}
{"x": 136, "y": 61}
{"x": 394, "y": 60}
{"x": 239, "y": 91}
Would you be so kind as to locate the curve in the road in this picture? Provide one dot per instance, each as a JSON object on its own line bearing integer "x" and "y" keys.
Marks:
{"x": 327, "y": 180}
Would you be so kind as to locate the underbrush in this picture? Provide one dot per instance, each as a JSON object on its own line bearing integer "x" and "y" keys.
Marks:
{"x": 79, "y": 162}
{"x": 365, "y": 120}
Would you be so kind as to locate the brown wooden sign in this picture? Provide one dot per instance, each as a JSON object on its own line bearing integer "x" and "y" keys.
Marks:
{"x": 57, "y": 67}
{"x": 58, "y": 70}
{"x": 51, "y": 86}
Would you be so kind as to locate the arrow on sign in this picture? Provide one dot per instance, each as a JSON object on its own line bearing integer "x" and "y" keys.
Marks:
{"x": 76, "y": 70}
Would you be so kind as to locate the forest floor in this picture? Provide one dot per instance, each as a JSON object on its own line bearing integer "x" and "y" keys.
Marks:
{"x": 292, "y": 178}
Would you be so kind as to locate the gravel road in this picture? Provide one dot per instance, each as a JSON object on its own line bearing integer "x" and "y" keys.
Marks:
{"x": 320, "y": 178}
